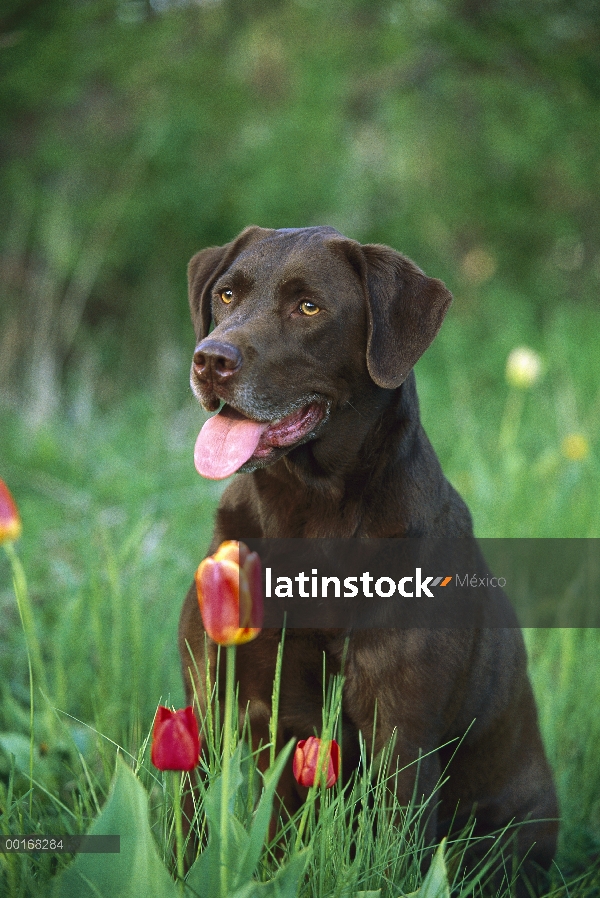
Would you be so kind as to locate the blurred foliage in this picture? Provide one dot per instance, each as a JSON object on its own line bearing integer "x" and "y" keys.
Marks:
{"x": 132, "y": 133}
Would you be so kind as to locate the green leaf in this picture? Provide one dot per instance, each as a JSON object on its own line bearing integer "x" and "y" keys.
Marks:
{"x": 248, "y": 792}
{"x": 18, "y": 745}
{"x": 137, "y": 869}
{"x": 244, "y": 848}
{"x": 435, "y": 884}
{"x": 204, "y": 875}
{"x": 262, "y": 817}
{"x": 369, "y": 894}
{"x": 285, "y": 884}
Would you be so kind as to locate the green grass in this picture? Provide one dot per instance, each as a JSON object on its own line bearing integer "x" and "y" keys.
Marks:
{"x": 115, "y": 521}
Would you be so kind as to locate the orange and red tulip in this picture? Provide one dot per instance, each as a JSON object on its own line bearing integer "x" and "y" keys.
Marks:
{"x": 10, "y": 522}
{"x": 230, "y": 594}
{"x": 175, "y": 739}
{"x": 306, "y": 759}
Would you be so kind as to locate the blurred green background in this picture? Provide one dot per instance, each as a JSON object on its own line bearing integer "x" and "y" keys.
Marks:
{"x": 464, "y": 133}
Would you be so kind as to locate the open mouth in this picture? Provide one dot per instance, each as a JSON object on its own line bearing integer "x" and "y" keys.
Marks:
{"x": 229, "y": 439}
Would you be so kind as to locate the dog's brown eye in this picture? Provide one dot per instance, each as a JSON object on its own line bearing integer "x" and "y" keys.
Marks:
{"x": 226, "y": 296}
{"x": 308, "y": 308}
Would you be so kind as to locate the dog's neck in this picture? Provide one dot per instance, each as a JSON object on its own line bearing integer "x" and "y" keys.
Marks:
{"x": 350, "y": 462}
{"x": 351, "y": 444}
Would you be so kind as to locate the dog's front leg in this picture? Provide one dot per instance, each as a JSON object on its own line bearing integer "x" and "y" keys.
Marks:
{"x": 392, "y": 697}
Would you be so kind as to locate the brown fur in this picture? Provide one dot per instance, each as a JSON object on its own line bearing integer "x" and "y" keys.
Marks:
{"x": 368, "y": 471}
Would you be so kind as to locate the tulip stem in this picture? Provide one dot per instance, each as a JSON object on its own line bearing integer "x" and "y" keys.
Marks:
{"x": 227, "y": 737}
{"x": 177, "y": 783}
{"x": 26, "y": 615}
{"x": 32, "y": 648}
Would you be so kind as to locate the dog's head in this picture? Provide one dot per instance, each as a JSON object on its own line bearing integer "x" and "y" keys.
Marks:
{"x": 306, "y": 322}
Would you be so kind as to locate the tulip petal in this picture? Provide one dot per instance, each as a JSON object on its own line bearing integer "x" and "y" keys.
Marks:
{"x": 230, "y": 596}
{"x": 175, "y": 739}
{"x": 333, "y": 770}
{"x": 298, "y": 761}
{"x": 218, "y": 588}
{"x": 253, "y": 571}
{"x": 306, "y": 758}
{"x": 229, "y": 551}
{"x": 10, "y": 522}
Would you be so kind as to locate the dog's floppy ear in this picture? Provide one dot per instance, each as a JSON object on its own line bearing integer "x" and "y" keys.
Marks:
{"x": 204, "y": 269}
{"x": 405, "y": 308}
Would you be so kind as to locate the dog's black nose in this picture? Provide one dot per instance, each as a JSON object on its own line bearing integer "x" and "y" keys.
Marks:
{"x": 216, "y": 360}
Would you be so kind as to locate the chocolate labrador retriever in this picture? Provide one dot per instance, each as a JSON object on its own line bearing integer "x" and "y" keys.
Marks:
{"x": 314, "y": 341}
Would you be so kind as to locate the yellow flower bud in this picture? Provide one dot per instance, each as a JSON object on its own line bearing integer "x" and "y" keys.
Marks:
{"x": 575, "y": 447}
{"x": 523, "y": 367}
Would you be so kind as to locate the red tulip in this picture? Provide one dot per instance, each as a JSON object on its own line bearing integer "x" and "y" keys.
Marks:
{"x": 306, "y": 757}
{"x": 10, "y": 522}
{"x": 175, "y": 739}
{"x": 229, "y": 588}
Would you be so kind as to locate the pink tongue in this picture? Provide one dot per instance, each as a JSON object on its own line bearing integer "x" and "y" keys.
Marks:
{"x": 225, "y": 442}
